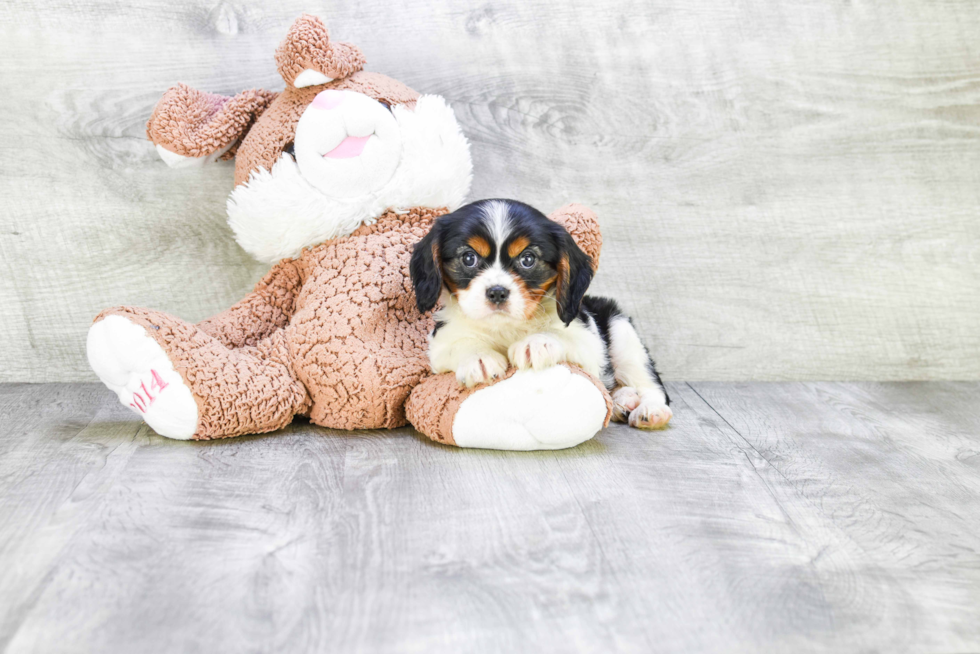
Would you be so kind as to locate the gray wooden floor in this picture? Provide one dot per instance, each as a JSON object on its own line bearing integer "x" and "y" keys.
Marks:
{"x": 768, "y": 518}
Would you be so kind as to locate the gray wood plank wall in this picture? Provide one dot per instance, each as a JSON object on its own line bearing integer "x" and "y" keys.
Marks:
{"x": 787, "y": 190}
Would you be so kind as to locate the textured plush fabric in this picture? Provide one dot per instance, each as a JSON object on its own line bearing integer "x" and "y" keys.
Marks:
{"x": 433, "y": 404}
{"x": 266, "y": 140}
{"x": 356, "y": 340}
{"x": 193, "y": 123}
{"x": 582, "y": 223}
{"x": 279, "y": 212}
{"x": 248, "y": 390}
{"x": 334, "y": 333}
{"x": 267, "y": 308}
{"x": 307, "y": 46}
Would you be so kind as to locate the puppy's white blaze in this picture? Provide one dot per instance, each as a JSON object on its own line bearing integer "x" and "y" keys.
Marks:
{"x": 473, "y": 299}
{"x": 496, "y": 213}
{"x": 629, "y": 359}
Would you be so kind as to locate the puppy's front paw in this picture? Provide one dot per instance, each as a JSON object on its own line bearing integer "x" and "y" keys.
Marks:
{"x": 537, "y": 351}
{"x": 652, "y": 413}
{"x": 625, "y": 399}
{"x": 481, "y": 369}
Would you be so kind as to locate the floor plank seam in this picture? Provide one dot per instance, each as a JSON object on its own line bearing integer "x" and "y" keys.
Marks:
{"x": 747, "y": 441}
{"x": 802, "y": 496}
{"x": 772, "y": 494}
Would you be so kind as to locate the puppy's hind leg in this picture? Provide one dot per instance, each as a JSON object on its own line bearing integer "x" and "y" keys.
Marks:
{"x": 641, "y": 394}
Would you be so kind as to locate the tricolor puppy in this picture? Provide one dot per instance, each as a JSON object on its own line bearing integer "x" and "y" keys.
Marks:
{"x": 512, "y": 285}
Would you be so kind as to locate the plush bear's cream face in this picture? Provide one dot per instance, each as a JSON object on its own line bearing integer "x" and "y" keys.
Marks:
{"x": 347, "y": 144}
{"x": 334, "y": 150}
{"x": 348, "y": 165}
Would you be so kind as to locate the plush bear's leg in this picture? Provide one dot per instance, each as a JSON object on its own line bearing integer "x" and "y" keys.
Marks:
{"x": 549, "y": 409}
{"x": 260, "y": 313}
{"x": 187, "y": 384}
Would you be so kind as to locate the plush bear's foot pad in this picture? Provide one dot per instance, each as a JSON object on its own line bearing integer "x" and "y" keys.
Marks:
{"x": 134, "y": 366}
{"x": 532, "y": 410}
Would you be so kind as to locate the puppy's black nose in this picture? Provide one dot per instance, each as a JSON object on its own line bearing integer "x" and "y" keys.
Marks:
{"x": 497, "y": 294}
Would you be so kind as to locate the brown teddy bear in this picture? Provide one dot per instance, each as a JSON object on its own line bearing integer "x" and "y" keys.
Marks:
{"x": 337, "y": 177}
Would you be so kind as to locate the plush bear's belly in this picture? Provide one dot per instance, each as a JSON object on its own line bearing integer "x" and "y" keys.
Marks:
{"x": 358, "y": 365}
{"x": 356, "y": 340}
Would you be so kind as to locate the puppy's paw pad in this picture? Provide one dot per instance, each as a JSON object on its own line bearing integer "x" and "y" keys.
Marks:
{"x": 650, "y": 416}
{"x": 538, "y": 351}
{"x": 481, "y": 369}
{"x": 625, "y": 399}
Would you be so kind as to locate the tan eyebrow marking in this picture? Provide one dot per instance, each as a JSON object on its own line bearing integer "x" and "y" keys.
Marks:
{"x": 480, "y": 245}
{"x": 517, "y": 246}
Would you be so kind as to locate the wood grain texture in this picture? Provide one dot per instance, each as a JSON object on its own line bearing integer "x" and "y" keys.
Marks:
{"x": 767, "y": 518}
{"x": 787, "y": 191}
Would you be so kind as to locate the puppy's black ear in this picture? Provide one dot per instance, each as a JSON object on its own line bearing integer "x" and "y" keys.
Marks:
{"x": 574, "y": 276}
{"x": 426, "y": 270}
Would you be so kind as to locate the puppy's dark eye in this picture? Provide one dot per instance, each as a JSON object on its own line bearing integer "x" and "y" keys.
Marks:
{"x": 469, "y": 259}
{"x": 527, "y": 259}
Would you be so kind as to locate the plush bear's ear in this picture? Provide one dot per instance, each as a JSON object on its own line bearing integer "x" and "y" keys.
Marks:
{"x": 191, "y": 127}
{"x": 582, "y": 223}
{"x": 307, "y": 57}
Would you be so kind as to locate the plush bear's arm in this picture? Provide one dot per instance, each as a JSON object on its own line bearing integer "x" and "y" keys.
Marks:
{"x": 191, "y": 127}
{"x": 267, "y": 308}
{"x": 552, "y": 409}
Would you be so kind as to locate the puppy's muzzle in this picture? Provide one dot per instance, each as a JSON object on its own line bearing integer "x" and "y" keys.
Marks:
{"x": 497, "y": 295}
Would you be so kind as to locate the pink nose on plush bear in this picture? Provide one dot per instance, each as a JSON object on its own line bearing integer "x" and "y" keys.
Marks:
{"x": 327, "y": 99}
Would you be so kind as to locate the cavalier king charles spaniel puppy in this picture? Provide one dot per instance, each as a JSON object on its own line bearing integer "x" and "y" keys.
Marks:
{"x": 512, "y": 287}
